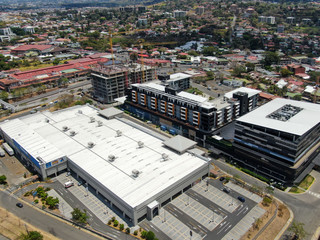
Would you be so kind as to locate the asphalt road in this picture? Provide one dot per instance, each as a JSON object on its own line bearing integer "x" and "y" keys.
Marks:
{"x": 41, "y": 220}
{"x": 305, "y": 207}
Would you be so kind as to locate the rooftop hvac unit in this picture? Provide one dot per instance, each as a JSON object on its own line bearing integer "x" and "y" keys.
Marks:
{"x": 111, "y": 158}
{"x": 140, "y": 144}
{"x": 119, "y": 133}
{"x": 65, "y": 128}
{"x": 90, "y": 144}
{"x": 46, "y": 120}
{"x": 72, "y": 133}
{"x": 135, "y": 173}
{"x": 165, "y": 157}
{"x": 99, "y": 123}
{"x": 92, "y": 119}
{"x": 79, "y": 111}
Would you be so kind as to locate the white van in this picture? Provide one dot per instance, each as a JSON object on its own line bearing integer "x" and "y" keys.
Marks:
{"x": 68, "y": 184}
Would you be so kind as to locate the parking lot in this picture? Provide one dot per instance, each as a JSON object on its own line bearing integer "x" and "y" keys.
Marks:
{"x": 207, "y": 212}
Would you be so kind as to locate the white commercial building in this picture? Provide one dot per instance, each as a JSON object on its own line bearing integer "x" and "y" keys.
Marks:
{"x": 133, "y": 168}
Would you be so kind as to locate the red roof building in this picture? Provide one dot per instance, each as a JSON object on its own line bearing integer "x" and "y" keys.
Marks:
{"x": 78, "y": 69}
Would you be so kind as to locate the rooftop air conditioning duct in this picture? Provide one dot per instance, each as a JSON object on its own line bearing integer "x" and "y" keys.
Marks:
{"x": 90, "y": 144}
{"x": 79, "y": 111}
{"x": 135, "y": 173}
{"x": 111, "y": 158}
{"x": 119, "y": 133}
{"x": 46, "y": 120}
{"x": 92, "y": 119}
{"x": 165, "y": 157}
{"x": 72, "y": 133}
{"x": 65, "y": 128}
{"x": 99, "y": 123}
{"x": 140, "y": 144}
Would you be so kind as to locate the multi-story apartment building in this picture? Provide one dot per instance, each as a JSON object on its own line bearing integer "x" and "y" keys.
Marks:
{"x": 181, "y": 113}
{"x": 110, "y": 81}
{"x": 279, "y": 139}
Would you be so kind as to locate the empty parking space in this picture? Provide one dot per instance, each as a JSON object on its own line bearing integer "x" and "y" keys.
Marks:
{"x": 172, "y": 227}
{"x": 244, "y": 224}
{"x": 199, "y": 212}
{"x": 217, "y": 196}
{"x": 244, "y": 192}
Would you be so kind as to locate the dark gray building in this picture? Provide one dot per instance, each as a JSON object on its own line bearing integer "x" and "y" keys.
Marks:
{"x": 279, "y": 140}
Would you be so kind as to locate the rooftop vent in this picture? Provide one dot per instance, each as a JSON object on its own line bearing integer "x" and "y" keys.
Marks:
{"x": 92, "y": 119}
{"x": 99, "y": 123}
{"x": 79, "y": 111}
{"x": 72, "y": 133}
{"x": 46, "y": 120}
{"x": 111, "y": 158}
{"x": 119, "y": 133}
{"x": 165, "y": 157}
{"x": 65, "y": 128}
{"x": 135, "y": 173}
{"x": 90, "y": 144}
{"x": 140, "y": 144}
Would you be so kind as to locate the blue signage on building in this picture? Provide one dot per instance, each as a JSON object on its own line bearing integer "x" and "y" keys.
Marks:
{"x": 26, "y": 154}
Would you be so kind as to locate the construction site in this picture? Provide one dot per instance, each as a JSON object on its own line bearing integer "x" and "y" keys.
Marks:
{"x": 110, "y": 81}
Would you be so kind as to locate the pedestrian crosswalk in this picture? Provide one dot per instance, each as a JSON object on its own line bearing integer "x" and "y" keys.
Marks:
{"x": 314, "y": 194}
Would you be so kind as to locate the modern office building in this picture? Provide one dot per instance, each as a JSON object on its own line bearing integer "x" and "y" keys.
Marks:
{"x": 247, "y": 97}
{"x": 178, "y": 81}
{"x": 135, "y": 169}
{"x": 184, "y": 113}
{"x": 110, "y": 81}
{"x": 279, "y": 139}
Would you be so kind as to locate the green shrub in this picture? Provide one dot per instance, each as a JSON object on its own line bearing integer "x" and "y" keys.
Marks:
{"x": 121, "y": 227}
{"x": 113, "y": 219}
{"x": 135, "y": 232}
{"x": 36, "y": 201}
{"x": 115, "y": 223}
{"x": 109, "y": 222}
{"x": 47, "y": 189}
{"x": 127, "y": 230}
{"x": 144, "y": 234}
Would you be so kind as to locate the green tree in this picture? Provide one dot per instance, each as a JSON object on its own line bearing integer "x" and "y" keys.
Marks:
{"x": 32, "y": 235}
{"x": 3, "y": 179}
{"x": 271, "y": 58}
{"x": 4, "y": 95}
{"x": 284, "y": 72}
{"x": 297, "y": 229}
{"x": 79, "y": 216}
{"x": 250, "y": 67}
{"x": 238, "y": 70}
{"x": 150, "y": 236}
{"x": 56, "y": 61}
{"x": 52, "y": 202}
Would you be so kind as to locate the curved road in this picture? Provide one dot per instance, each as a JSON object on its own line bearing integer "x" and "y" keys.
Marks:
{"x": 41, "y": 220}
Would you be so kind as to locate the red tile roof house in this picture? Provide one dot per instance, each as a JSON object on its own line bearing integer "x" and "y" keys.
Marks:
{"x": 296, "y": 69}
{"x": 74, "y": 70}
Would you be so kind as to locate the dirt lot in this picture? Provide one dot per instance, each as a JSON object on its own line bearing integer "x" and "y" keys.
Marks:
{"x": 13, "y": 169}
{"x": 275, "y": 226}
{"x": 11, "y": 226}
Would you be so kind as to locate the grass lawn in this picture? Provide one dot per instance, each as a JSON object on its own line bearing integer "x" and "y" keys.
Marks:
{"x": 296, "y": 190}
{"x": 36, "y": 67}
{"x": 306, "y": 182}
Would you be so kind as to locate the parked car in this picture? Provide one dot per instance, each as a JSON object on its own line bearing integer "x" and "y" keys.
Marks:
{"x": 241, "y": 199}
{"x": 80, "y": 183}
{"x": 222, "y": 179}
{"x": 226, "y": 190}
{"x": 19, "y": 204}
